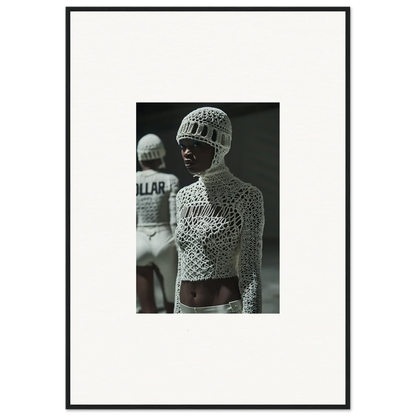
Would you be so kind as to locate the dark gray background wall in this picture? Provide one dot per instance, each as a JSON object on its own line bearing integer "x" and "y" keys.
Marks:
{"x": 254, "y": 154}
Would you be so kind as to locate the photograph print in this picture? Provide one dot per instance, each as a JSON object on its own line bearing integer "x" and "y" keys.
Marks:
{"x": 207, "y": 200}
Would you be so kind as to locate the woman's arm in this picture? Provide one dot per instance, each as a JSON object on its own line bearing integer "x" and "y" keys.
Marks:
{"x": 177, "y": 308}
{"x": 251, "y": 250}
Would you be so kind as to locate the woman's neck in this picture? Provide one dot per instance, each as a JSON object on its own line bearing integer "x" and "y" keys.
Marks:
{"x": 217, "y": 174}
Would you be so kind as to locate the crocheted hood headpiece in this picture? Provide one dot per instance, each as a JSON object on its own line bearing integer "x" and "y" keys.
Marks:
{"x": 212, "y": 126}
{"x": 150, "y": 147}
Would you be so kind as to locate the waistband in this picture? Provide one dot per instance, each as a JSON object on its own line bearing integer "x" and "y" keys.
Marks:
{"x": 235, "y": 306}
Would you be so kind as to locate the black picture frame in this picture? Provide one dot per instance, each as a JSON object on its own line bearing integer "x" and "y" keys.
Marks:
{"x": 348, "y": 10}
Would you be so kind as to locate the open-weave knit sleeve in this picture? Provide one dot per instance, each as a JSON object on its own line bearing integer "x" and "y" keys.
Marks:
{"x": 174, "y": 188}
{"x": 177, "y": 308}
{"x": 251, "y": 250}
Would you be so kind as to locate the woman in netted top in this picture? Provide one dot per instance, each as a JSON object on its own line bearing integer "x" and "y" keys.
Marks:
{"x": 155, "y": 223}
{"x": 220, "y": 222}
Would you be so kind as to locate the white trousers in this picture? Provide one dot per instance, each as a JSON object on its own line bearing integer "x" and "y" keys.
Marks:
{"x": 156, "y": 246}
{"x": 235, "y": 306}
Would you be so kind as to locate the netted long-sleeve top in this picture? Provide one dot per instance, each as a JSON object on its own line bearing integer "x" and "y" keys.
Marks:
{"x": 156, "y": 198}
{"x": 220, "y": 223}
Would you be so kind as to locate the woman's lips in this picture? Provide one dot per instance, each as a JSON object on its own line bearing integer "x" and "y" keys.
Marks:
{"x": 188, "y": 163}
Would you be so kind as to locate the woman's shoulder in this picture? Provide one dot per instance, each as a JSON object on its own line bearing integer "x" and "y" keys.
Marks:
{"x": 244, "y": 187}
{"x": 188, "y": 189}
{"x": 248, "y": 194}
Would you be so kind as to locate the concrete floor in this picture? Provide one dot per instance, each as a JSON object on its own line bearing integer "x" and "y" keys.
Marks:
{"x": 269, "y": 277}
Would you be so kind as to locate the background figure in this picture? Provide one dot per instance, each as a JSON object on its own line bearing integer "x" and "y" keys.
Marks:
{"x": 155, "y": 225}
{"x": 220, "y": 224}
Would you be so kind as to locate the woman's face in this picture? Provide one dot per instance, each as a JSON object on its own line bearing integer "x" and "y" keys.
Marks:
{"x": 196, "y": 155}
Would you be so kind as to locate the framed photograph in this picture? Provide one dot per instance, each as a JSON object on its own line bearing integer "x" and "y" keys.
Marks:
{"x": 152, "y": 89}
